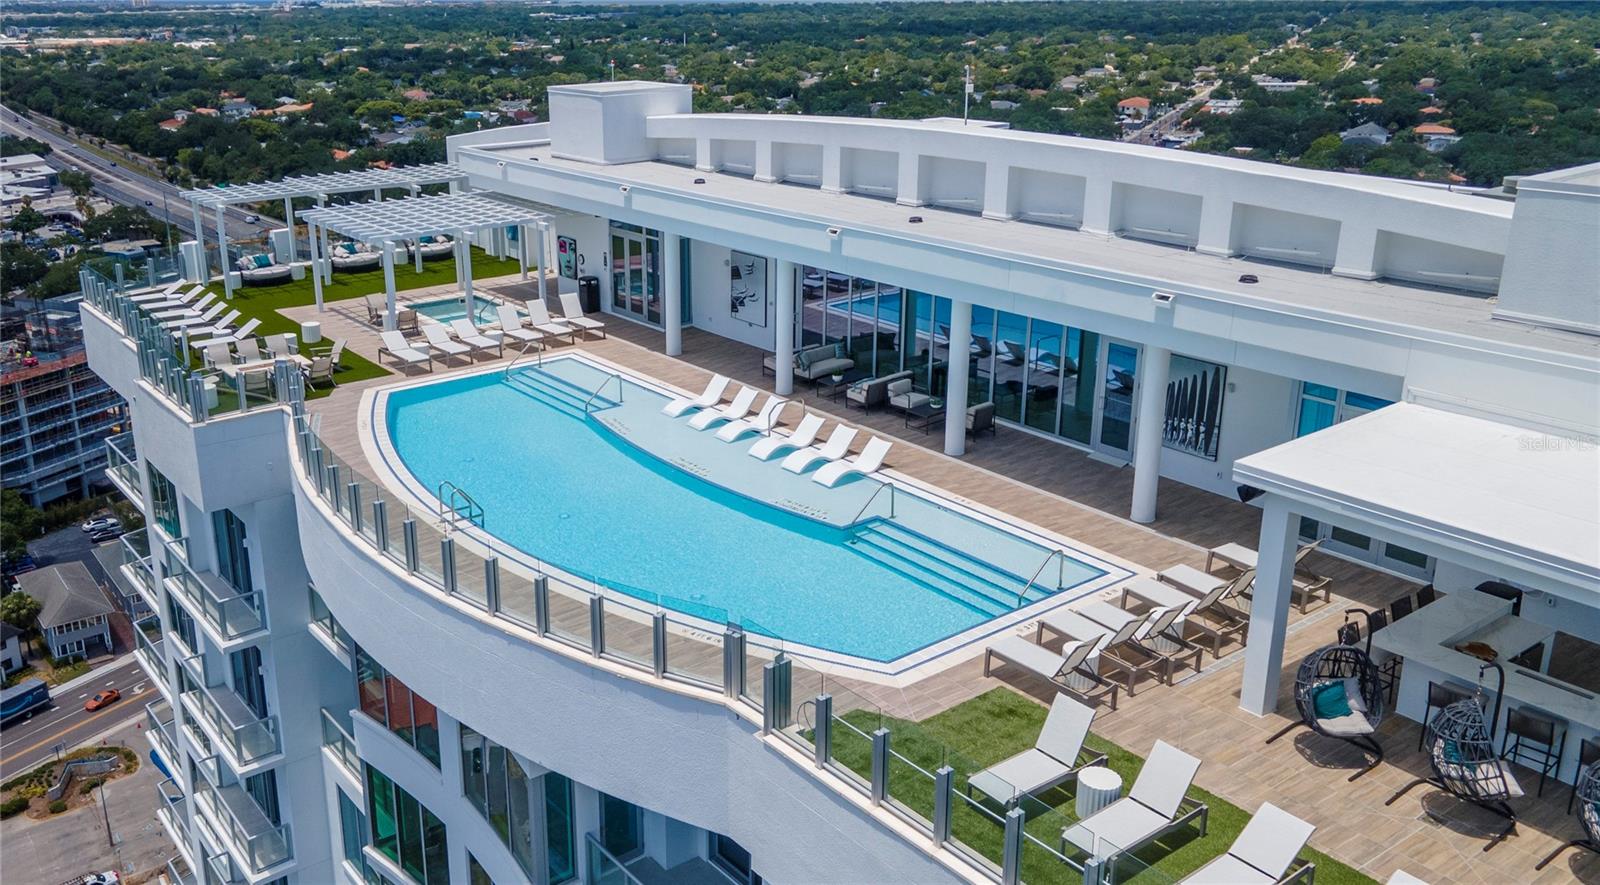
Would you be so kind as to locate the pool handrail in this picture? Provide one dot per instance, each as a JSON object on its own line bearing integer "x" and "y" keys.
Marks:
{"x": 1058, "y": 552}
{"x": 872, "y": 497}
{"x": 538, "y": 356}
{"x": 458, "y": 505}
{"x": 614, "y": 376}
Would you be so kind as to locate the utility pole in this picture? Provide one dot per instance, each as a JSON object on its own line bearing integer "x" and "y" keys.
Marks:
{"x": 106, "y": 816}
{"x": 966, "y": 92}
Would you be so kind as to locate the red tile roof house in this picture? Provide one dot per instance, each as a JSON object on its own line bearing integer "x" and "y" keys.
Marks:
{"x": 172, "y": 125}
{"x": 1138, "y": 106}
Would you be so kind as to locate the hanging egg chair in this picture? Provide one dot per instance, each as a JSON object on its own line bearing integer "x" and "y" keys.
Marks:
{"x": 1587, "y": 790}
{"x": 1340, "y": 694}
{"x": 1461, "y": 752}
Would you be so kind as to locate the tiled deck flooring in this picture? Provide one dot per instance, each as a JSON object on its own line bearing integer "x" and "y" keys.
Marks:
{"x": 1065, "y": 491}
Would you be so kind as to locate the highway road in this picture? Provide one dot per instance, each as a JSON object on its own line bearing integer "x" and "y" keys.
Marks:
{"x": 120, "y": 184}
{"x": 30, "y": 742}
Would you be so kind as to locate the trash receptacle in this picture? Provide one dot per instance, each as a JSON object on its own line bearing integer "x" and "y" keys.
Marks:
{"x": 589, "y": 293}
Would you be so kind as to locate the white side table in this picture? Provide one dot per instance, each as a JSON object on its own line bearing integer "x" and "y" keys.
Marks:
{"x": 1098, "y": 786}
{"x": 210, "y": 387}
{"x": 310, "y": 332}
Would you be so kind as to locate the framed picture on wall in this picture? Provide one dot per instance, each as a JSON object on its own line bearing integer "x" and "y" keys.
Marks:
{"x": 747, "y": 288}
{"x": 567, "y": 257}
{"x": 1194, "y": 407}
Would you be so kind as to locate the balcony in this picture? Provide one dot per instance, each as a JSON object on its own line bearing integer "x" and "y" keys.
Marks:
{"x": 247, "y": 738}
{"x": 173, "y": 811}
{"x": 178, "y": 872}
{"x": 159, "y": 720}
{"x": 221, "y": 870}
{"x": 151, "y": 649}
{"x": 337, "y": 740}
{"x": 233, "y": 616}
{"x": 122, "y": 466}
{"x": 251, "y": 835}
{"x": 139, "y": 567}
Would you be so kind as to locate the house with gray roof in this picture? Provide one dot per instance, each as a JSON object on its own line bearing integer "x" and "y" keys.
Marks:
{"x": 1366, "y": 133}
{"x": 10, "y": 648}
{"x": 74, "y": 611}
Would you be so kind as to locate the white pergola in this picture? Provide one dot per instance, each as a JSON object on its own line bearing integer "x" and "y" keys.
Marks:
{"x": 458, "y": 215}
{"x": 318, "y": 187}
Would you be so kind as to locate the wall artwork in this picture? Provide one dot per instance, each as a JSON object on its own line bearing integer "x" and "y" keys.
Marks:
{"x": 747, "y": 288}
{"x": 1194, "y": 407}
{"x": 567, "y": 257}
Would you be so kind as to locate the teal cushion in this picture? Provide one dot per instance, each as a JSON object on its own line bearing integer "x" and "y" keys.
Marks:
{"x": 802, "y": 360}
{"x": 1329, "y": 701}
{"x": 263, "y": 260}
{"x": 347, "y": 248}
{"x": 1451, "y": 751}
{"x": 425, "y": 239}
{"x": 839, "y": 352}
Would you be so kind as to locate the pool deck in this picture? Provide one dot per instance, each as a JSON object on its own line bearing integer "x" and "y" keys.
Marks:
{"x": 1065, "y": 491}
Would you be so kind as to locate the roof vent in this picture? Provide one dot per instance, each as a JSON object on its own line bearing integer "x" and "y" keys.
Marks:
{"x": 915, "y": 219}
{"x": 699, "y": 181}
{"x": 1249, "y": 278}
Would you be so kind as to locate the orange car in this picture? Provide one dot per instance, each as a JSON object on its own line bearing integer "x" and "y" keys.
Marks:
{"x": 102, "y": 699}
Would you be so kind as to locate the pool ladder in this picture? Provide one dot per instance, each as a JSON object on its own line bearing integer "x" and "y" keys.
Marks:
{"x": 1060, "y": 557}
{"x": 455, "y": 504}
{"x": 609, "y": 378}
{"x": 538, "y": 356}
{"x": 873, "y": 497}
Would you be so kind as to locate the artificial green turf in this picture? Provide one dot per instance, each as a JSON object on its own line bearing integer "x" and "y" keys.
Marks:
{"x": 264, "y": 302}
{"x": 1001, "y": 723}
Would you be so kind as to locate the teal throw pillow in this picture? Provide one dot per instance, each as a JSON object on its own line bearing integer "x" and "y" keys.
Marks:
{"x": 1329, "y": 701}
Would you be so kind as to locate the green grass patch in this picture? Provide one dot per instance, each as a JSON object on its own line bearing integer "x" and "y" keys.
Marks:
{"x": 1002, "y": 723}
{"x": 265, "y": 302}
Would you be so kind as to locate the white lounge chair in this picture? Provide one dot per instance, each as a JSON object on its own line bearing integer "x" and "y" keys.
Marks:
{"x": 1116, "y": 647}
{"x": 511, "y": 326}
{"x": 1067, "y": 670}
{"x": 868, "y": 462}
{"x": 208, "y": 328}
{"x": 204, "y": 319}
{"x": 396, "y": 345}
{"x": 572, "y": 314}
{"x": 438, "y": 338}
{"x": 232, "y": 336}
{"x": 835, "y": 448}
{"x": 1055, "y": 757}
{"x": 763, "y": 422}
{"x": 738, "y": 408}
{"x": 1150, "y": 809}
{"x": 280, "y": 345}
{"x": 249, "y": 351}
{"x": 469, "y": 335}
{"x": 218, "y": 354}
{"x": 1207, "y": 615}
{"x": 539, "y": 318}
{"x": 1261, "y": 854}
{"x": 151, "y": 296}
{"x": 192, "y": 310}
{"x": 804, "y": 435}
{"x": 707, "y": 398}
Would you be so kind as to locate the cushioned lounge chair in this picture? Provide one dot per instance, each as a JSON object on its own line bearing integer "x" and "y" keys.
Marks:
{"x": 1152, "y": 808}
{"x": 431, "y": 247}
{"x": 539, "y": 317}
{"x": 190, "y": 321}
{"x": 572, "y": 314}
{"x": 511, "y": 326}
{"x": 438, "y": 338}
{"x": 354, "y": 256}
{"x": 763, "y": 422}
{"x": 738, "y": 408}
{"x": 164, "y": 293}
{"x": 208, "y": 328}
{"x": 396, "y": 345}
{"x": 868, "y": 462}
{"x": 1068, "y": 670}
{"x": 835, "y": 448}
{"x": 1308, "y": 585}
{"x": 1155, "y": 636}
{"x": 804, "y": 435}
{"x": 469, "y": 335}
{"x": 1207, "y": 617}
{"x": 707, "y": 398}
{"x": 1262, "y": 853}
{"x": 223, "y": 333}
{"x": 188, "y": 299}
{"x": 192, "y": 310}
{"x": 1054, "y": 759}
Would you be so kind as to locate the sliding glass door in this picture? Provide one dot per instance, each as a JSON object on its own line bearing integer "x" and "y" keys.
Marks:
{"x": 636, "y": 272}
{"x": 1119, "y": 384}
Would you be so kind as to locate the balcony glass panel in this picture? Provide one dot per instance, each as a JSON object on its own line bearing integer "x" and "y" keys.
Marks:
{"x": 135, "y": 548}
{"x": 249, "y": 737}
{"x": 253, "y": 835}
{"x": 158, "y": 719}
{"x": 337, "y": 738}
{"x": 122, "y": 462}
{"x": 231, "y": 613}
{"x": 151, "y": 648}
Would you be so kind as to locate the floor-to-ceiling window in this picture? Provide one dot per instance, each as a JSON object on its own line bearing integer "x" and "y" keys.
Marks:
{"x": 621, "y": 827}
{"x": 352, "y": 829}
{"x": 636, "y": 271}
{"x": 164, "y": 503}
{"x": 248, "y": 683}
{"x": 406, "y": 832}
{"x": 495, "y": 782}
{"x": 411, "y": 717}
{"x": 233, "y": 554}
{"x": 560, "y": 836}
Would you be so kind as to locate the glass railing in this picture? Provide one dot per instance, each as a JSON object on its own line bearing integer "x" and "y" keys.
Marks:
{"x": 252, "y": 834}
{"x": 178, "y": 872}
{"x": 160, "y": 724}
{"x": 122, "y": 462}
{"x": 604, "y": 868}
{"x": 337, "y": 739}
{"x": 173, "y": 808}
{"x": 232, "y": 614}
{"x": 135, "y": 547}
{"x": 323, "y": 620}
{"x": 250, "y": 738}
{"x": 151, "y": 648}
{"x": 220, "y": 870}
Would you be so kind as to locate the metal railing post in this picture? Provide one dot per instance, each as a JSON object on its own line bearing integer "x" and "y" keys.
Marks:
{"x": 541, "y": 605}
{"x": 239, "y": 390}
{"x": 597, "y": 625}
{"x": 491, "y": 584}
{"x": 318, "y": 475}
{"x": 330, "y": 488}
{"x": 380, "y": 523}
{"x": 408, "y": 531}
{"x": 732, "y": 661}
{"x": 1011, "y": 858}
{"x": 447, "y": 564}
{"x": 822, "y": 731}
{"x": 658, "y": 643}
{"x": 775, "y": 694}
{"x": 880, "y": 766}
{"x": 944, "y": 788}
{"x": 352, "y": 494}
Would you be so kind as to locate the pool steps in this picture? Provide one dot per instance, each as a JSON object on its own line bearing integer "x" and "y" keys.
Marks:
{"x": 556, "y": 392}
{"x": 975, "y": 584}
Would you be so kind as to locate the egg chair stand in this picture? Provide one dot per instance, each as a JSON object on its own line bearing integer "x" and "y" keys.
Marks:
{"x": 1588, "y": 792}
{"x": 1462, "y": 755}
{"x": 1333, "y": 664}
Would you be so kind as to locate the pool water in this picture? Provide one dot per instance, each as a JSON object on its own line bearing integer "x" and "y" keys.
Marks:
{"x": 446, "y": 310}
{"x": 650, "y": 507}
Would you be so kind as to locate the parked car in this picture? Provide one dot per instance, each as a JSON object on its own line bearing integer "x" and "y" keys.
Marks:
{"x": 109, "y": 877}
{"x": 106, "y": 534}
{"x": 102, "y": 699}
{"x": 19, "y": 565}
{"x": 101, "y": 523}
{"x": 252, "y": 218}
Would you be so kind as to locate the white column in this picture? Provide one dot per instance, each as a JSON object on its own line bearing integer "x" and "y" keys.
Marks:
{"x": 1147, "y": 431}
{"x": 522, "y": 250}
{"x": 672, "y": 292}
{"x": 327, "y": 257}
{"x": 377, "y": 195}
{"x": 544, "y": 262}
{"x": 997, "y": 190}
{"x": 222, "y": 251}
{"x": 784, "y": 330}
{"x": 1269, "y": 608}
{"x": 1357, "y": 251}
{"x": 1099, "y": 193}
{"x": 388, "y": 286}
{"x": 200, "y": 240}
{"x": 908, "y": 187}
{"x": 466, "y": 276}
{"x": 955, "y": 394}
{"x": 832, "y": 169}
{"x": 316, "y": 266}
{"x": 288, "y": 221}
{"x": 416, "y": 254}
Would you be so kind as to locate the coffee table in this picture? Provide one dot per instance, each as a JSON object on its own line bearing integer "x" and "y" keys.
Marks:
{"x": 923, "y": 415}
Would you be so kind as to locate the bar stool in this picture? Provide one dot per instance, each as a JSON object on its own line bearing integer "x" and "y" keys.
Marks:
{"x": 1439, "y": 697}
{"x": 1400, "y": 608}
{"x": 1588, "y": 753}
{"x": 1426, "y": 595}
{"x": 1534, "y": 736}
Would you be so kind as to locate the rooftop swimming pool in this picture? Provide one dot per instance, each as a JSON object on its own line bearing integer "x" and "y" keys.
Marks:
{"x": 447, "y": 309}
{"x": 647, "y": 506}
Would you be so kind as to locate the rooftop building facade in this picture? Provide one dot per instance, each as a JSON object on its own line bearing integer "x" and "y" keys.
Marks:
{"x": 539, "y": 615}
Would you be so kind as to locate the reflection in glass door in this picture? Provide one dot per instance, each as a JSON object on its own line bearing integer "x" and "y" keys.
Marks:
{"x": 635, "y": 272}
{"x": 1118, "y": 386}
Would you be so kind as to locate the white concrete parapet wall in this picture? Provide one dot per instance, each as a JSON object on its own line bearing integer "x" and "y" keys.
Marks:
{"x": 605, "y": 122}
{"x": 1552, "y": 274}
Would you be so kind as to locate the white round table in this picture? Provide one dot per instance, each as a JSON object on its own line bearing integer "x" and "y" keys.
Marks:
{"x": 1098, "y": 786}
{"x": 310, "y": 332}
